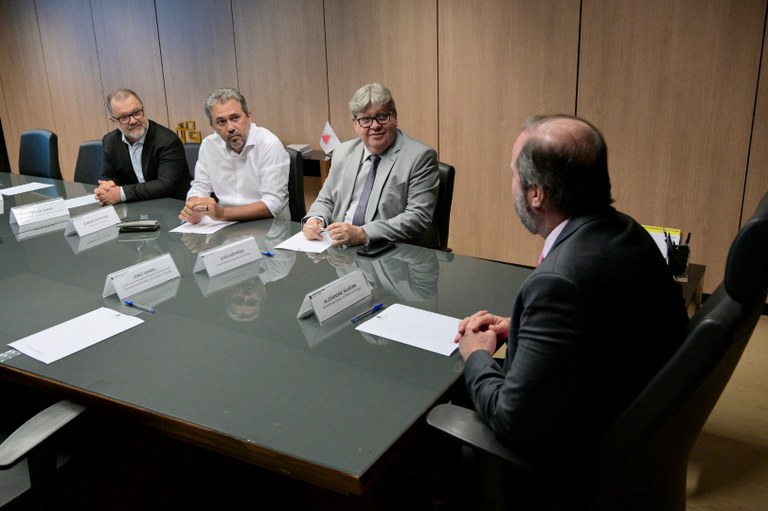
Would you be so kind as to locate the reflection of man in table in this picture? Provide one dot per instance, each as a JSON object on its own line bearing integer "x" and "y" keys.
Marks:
{"x": 409, "y": 273}
{"x": 244, "y": 300}
{"x": 267, "y": 233}
{"x": 381, "y": 186}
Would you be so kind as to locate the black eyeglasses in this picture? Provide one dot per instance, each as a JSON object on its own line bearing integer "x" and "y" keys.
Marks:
{"x": 382, "y": 118}
{"x": 125, "y": 119}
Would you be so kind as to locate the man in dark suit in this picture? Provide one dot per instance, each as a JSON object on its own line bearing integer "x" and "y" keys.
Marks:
{"x": 142, "y": 159}
{"x": 589, "y": 328}
{"x": 382, "y": 185}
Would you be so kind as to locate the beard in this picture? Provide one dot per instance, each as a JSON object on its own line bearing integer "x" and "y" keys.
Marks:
{"x": 136, "y": 133}
{"x": 525, "y": 214}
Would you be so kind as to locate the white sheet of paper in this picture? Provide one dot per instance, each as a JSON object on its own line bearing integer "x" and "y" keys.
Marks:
{"x": 23, "y": 188}
{"x": 299, "y": 243}
{"x": 58, "y": 341}
{"x": 206, "y": 226}
{"x": 81, "y": 201}
{"x": 415, "y": 327}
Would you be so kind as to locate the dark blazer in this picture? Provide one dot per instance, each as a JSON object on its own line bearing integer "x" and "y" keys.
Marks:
{"x": 589, "y": 328}
{"x": 162, "y": 160}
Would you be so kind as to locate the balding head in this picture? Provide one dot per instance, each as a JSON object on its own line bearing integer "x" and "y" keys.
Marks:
{"x": 567, "y": 158}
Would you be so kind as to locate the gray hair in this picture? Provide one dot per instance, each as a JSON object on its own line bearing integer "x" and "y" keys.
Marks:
{"x": 371, "y": 94}
{"x": 222, "y": 95}
{"x": 568, "y": 158}
{"x": 119, "y": 95}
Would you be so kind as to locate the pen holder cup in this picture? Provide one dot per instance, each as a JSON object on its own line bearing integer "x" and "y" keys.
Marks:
{"x": 677, "y": 259}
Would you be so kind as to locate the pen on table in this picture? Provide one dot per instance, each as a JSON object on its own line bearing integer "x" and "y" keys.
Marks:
{"x": 370, "y": 311}
{"x": 268, "y": 253}
{"x": 131, "y": 303}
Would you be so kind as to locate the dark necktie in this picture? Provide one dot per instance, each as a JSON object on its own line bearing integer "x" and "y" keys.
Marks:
{"x": 359, "y": 217}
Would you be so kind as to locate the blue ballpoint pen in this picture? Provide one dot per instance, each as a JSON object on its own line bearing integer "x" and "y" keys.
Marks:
{"x": 268, "y": 253}
{"x": 131, "y": 303}
{"x": 372, "y": 310}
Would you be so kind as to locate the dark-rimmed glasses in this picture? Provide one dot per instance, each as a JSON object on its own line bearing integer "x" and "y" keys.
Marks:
{"x": 125, "y": 119}
{"x": 382, "y": 118}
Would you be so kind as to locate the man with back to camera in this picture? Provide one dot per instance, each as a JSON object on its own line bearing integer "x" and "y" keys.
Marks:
{"x": 142, "y": 159}
{"x": 245, "y": 166}
{"x": 590, "y": 327}
{"x": 381, "y": 186}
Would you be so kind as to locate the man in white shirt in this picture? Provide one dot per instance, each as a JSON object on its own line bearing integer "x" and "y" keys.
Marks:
{"x": 242, "y": 169}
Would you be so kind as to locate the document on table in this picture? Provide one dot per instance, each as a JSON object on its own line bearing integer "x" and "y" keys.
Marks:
{"x": 23, "y": 188}
{"x": 206, "y": 226}
{"x": 74, "y": 335}
{"x": 299, "y": 243}
{"x": 415, "y": 327}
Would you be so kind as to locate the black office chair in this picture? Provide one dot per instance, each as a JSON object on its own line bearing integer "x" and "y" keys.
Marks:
{"x": 641, "y": 461}
{"x": 28, "y": 457}
{"x": 191, "y": 150}
{"x": 442, "y": 217}
{"x": 5, "y": 163}
{"x": 39, "y": 154}
{"x": 296, "y": 185}
{"x": 90, "y": 160}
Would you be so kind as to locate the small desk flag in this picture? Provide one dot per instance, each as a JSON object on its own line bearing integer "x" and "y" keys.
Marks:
{"x": 328, "y": 140}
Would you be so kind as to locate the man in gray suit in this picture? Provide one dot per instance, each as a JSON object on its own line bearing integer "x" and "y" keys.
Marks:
{"x": 381, "y": 186}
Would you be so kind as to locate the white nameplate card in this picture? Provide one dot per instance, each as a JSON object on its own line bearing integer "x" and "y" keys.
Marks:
{"x": 140, "y": 277}
{"x": 91, "y": 222}
{"x": 39, "y": 212}
{"x": 339, "y": 295}
{"x": 227, "y": 257}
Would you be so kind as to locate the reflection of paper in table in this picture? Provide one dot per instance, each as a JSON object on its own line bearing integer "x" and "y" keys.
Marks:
{"x": 415, "y": 327}
{"x": 205, "y": 226}
{"x": 14, "y": 190}
{"x": 71, "y": 336}
{"x": 299, "y": 243}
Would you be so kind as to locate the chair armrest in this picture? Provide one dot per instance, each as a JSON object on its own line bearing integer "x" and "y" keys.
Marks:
{"x": 467, "y": 427}
{"x": 36, "y": 430}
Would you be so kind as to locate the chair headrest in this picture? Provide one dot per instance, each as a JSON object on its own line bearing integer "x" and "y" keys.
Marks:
{"x": 746, "y": 271}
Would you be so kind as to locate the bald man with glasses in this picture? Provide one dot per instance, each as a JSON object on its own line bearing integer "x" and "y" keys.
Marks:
{"x": 142, "y": 159}
{"x": 382, "y": 186}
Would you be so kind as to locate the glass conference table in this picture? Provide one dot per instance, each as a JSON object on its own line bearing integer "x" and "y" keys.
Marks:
{"x": 225, "y": 364}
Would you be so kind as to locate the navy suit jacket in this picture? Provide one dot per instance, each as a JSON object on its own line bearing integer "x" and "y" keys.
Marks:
{"x": 163, "y": 163}
{"x": 589, "y": 329}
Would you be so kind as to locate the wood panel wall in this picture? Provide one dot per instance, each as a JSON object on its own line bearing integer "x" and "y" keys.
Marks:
{"x": 678, "y": 88}
{"x": 672, "y": 85}
{"x": 198, "y": 56}
{"x": 499, "y": 64}
{"x": 393, "y": 43}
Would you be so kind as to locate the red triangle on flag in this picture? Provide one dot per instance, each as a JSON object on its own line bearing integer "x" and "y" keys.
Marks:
{"x": 326, "y": 138}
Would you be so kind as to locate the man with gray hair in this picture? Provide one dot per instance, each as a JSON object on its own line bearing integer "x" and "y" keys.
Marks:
{"x": 242, "y": 169}
{"x": 142, "y": 159}
{"x": 381, "y": 186}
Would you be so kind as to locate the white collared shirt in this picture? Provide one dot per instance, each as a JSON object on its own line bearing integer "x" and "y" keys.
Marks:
{"x": 134, "y": 151}
{"x": 258, "y": 173}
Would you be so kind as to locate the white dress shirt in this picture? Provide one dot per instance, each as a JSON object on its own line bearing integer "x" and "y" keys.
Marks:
{"x": 258, "y": 173}
{"x": 135, "y": 150}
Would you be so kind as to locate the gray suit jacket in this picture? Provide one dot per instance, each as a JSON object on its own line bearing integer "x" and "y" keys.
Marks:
{"x": 403, "y": 197}
{"x": 589, "y": 329}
